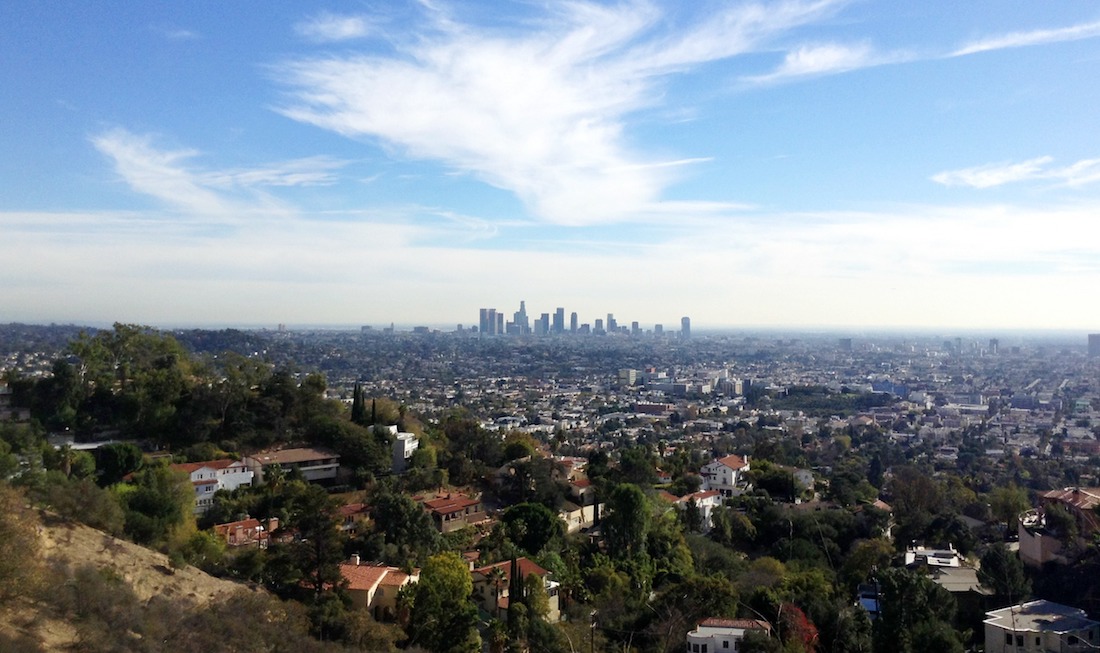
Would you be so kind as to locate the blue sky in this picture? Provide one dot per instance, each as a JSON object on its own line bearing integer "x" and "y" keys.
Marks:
{"x": 802, "y": 164}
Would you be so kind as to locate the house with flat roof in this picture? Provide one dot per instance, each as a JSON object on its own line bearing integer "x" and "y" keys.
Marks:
{"x": 716, "y": 635}
{"x": 313, "y": 463}
{"x": 1040, "y": 627}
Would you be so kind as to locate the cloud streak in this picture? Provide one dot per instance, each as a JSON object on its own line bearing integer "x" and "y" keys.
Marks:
{"x": 333, "y": 28}
{"x": 1034, "y": 37}
{"x": 1086, "y": 171}
{"x": 540, "y": 114}
{"x": 170, "y": 177}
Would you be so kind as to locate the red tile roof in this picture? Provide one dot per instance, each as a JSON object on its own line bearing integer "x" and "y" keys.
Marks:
{"x": 526, "y": 568}
{"x": 733, "y": 461}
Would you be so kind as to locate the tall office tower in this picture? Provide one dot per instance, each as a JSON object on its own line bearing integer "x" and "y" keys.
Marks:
{"x": 543, "y": 325}
{"x": 685, "y": 327}
{"x": 499, "y": 330}
{"x": 559, "y": 320}
{"x": 635, "y": 329}
{"x": 483, "y": 322}
{"x": 612, "y": 325}
{"x": 520, "y": 318}
{"x": 994, "y": 346}
{"x": 1094, "y": 344}
{"x": 845, "y": 344}
{"x": 573, "y": 322}
{"x": 599, "y": 326}
{"x": 658, "y": 329}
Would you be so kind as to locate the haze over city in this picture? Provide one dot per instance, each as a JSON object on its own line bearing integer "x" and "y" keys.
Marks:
{"x": 795, "y": 164}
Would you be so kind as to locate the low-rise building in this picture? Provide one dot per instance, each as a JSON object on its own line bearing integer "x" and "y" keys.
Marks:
{"x": 209, "y": 476}
{"x": 247, "y": 532}
{"x": 491, "y": 584}
{"x": 314, "y": 464}
{"x": 374, "y": 586}
{"x": 1040, "y": 627}
{"x": 727, "y": 475}
{"x": 451, "y": 512}
{"x": 716, "y": 635}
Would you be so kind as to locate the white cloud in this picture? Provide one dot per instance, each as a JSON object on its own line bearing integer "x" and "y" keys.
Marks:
{"x": 329, "y": 28}
{"x": 824, "y": 59}
{"x": 541, "y": 114}
{"x": 1035, "y": 37}
{"x": 309, "y": 171}
{"x": 1083, "y": 172}
{"x": 170, "y": 177}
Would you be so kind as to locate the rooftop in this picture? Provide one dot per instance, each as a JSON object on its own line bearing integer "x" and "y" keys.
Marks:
{"x": 1040, "y": 616}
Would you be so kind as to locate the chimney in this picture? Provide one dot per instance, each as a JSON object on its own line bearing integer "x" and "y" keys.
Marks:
{"x": 355, "y": 559}
{"x": 272, "y": 524}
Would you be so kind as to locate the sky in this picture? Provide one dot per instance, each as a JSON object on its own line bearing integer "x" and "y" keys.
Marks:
{"x": 806, "y": 163}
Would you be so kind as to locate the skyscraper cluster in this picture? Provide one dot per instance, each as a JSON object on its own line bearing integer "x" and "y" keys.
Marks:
{"x": 491, "y": 322}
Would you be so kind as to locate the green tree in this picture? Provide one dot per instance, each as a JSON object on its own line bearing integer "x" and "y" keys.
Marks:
{"x": 443, "y": 618}
{"x": 159, "y": 500}
{"x": 627, "y": 522}
{"x": 1002, "y": 571}
{"x": 1006, "y": 502}
{"x": 915, "y": 616}
{"x": 533, "y": 527}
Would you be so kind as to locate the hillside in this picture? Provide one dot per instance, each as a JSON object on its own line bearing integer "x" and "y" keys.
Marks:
{"x": 146, "y": 572}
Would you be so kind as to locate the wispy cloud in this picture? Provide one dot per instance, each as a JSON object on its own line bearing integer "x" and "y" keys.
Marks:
{"x": 541, "y": 114}
{"x": 330, "y": 28}
{"x": 1034, "y": 37}
{"x": 310, "y": 171}
{"x": 1083, "y": 172}
{"x": 171, "y": 177}
{"x": 825, "y": 59}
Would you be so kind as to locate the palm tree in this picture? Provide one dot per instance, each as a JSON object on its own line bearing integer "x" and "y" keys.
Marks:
{"x": 497, "y": 577}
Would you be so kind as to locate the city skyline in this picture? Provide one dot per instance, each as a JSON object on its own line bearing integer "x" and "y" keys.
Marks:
{"x": 818, "y": 164}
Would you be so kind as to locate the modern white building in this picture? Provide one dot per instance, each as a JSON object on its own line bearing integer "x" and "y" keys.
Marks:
{"x": 1040, "y": 627}
{"x": 209, "y": 476}
{"x": 716, "y": 635}
{"x": 403, "y": 447}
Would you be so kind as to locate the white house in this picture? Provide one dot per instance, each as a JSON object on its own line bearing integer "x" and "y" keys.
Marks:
{"x": 715, "y": 635}
{"x": 705, "y": 502}
{"x": 1038, "y": 627}
{"x": 727, "y": 475}
{"x": 209, "y": 476}
{"x": 403, "y": 447}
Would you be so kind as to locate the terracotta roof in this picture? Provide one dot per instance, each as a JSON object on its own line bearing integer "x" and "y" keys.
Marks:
{"x": 364, "y": 577}
{"x": 1085, "y": 498}
{"x": 222, "y": 529}
{"x": 450, "y": 503}
{"x": 667, "y": 496}
{"x": 582, "y": 483}
{"x": 706, "y": 494}
{"x": 526, "y": 568}
{"x": 733, "y": 461}
{"x": 352, "y": 509}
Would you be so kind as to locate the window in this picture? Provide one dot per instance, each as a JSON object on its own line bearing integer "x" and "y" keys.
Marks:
{"x": 704, "y": 648}
{"x": 1072, "y": 640}
{"x": 725, "y": 644}
{"x": 1019, "y": 640}
{"x": 1008, "y": 639}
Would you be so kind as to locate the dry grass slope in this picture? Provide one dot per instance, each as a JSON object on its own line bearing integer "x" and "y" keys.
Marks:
{"x": 147, "y": 572}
